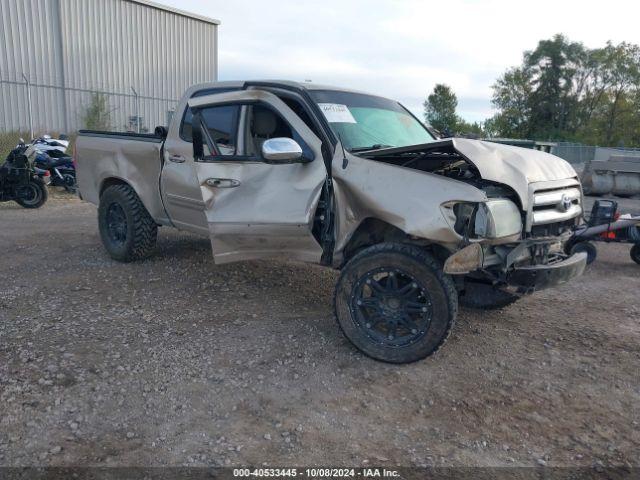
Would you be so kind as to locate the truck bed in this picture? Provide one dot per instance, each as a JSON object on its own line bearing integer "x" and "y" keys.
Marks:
{"x": 103, "y": 158}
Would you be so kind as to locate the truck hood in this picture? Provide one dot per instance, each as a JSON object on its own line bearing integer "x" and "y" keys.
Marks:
{"x": 504, "y": 163}
{"x": 513, "y": 166}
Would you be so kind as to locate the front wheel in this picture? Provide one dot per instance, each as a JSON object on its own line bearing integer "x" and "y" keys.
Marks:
{"x": 33, "y": 195}
{"x": 395, "y": 304}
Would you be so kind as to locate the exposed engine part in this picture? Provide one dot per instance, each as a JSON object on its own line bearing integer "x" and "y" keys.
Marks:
{"x": 441, "y": 159}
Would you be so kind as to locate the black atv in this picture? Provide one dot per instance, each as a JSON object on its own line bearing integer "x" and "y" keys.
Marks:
{"x": 18, "y": 179}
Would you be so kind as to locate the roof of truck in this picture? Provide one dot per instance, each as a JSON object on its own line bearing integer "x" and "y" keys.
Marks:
{"x": 289, "y": 83}
{"x": 315, "y": 86}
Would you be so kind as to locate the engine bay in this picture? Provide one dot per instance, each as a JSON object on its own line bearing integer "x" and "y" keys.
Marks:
{"x": 441, "y": 158}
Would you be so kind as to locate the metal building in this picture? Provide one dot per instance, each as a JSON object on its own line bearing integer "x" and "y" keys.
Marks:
{"x": 131, "y": 58}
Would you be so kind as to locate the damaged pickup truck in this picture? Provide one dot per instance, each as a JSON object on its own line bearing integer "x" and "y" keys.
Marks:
{"x": 352, "y": 181}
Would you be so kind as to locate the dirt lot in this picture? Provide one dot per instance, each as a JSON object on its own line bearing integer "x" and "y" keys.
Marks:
{"x": 176, "y": 361}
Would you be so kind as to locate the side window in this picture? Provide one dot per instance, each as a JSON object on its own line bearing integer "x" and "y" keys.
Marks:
{"x": 221, "y": 124}
{"x": 262, "y": 124}
{"x": 186, "y": 128}
{"x": 222, "y": 128}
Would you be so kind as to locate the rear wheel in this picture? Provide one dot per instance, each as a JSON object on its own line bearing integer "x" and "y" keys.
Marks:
{"x": 635, "y": 253}
{"x": 127, "y": 230}
{"x": 34, "y": 194}
{"x": 394, "y": 303}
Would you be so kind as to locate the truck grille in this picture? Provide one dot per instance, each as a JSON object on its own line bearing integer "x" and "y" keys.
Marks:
{"x": 554, "y": 206}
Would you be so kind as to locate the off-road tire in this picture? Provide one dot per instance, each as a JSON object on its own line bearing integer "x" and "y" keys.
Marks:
{"x": 486, "y": 297}
{"x": 587, "y": 247}
{"x": 42, "y": 195}
{"x": 427, "y": 272}
{"x": 140, "y": 231}
{"x": 635, "y": 253}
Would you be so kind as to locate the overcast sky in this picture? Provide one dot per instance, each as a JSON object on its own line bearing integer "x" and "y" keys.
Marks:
{"x": 402, "y": 48}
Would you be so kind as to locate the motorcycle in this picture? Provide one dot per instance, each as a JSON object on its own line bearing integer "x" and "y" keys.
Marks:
{"x": 52, "y": 157}
{"x": 61, "y": 171}
{"x": 57, "y": 147}
{"x": 19, "y": 181}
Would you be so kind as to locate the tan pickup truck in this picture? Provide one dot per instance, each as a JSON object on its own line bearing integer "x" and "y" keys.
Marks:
{"x": 352, "y": 181}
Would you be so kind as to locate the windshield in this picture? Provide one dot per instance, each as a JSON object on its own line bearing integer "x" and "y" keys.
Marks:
{"x": 366, "y": 122}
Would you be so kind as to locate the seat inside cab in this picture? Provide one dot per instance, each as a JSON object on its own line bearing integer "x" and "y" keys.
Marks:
{"x": 264, "y": 124}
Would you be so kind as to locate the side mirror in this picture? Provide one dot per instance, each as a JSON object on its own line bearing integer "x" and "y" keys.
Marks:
{"x": 21, "y": 142}
{"x": 281, "y": 150}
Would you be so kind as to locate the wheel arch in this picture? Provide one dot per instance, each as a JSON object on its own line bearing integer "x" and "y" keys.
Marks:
{"x": 372, "y": 231}
{"x": 369, "y": 232}
{"x": 113, "y": 180}
{"x": 110, "y": 182}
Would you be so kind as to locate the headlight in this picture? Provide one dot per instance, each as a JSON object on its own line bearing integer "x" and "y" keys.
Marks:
{"x": 493, "y": 219}
{"x": 498, "y": 219}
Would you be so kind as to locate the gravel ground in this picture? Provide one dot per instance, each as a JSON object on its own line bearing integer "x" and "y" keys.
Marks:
{"x": 176, "y": 361}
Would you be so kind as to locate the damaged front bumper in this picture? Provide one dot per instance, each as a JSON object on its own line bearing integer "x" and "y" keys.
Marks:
{"x": 539, "y": 277}
{"x": 514, "y": 266}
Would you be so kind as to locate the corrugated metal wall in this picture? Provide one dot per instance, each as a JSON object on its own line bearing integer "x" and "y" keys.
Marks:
{"x": 88, "y": 46}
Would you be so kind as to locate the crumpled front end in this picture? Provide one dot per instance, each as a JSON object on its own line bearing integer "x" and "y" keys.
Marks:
{"x": 536, "y": 257}
{"x": 514, "y": 233}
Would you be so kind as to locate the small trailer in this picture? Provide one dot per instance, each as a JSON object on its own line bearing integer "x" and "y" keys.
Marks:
{"x": 606, "y": 225}
{"x": 620, "y": 176}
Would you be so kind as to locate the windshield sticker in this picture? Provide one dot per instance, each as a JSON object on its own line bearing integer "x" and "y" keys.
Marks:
{"x": 337, "y": 113}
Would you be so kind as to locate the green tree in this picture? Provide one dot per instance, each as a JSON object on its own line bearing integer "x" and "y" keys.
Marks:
{"x": 552, "y": 70}
{"x": 98, "y": 115}
{"x": 622, "y": 70}
{"x": 440, "y": 109}
{"x": 440, "y": 112}
{"x": 469, "y": 129}
{"x": 564, "y": 91}
{"x": 511, "y": 96}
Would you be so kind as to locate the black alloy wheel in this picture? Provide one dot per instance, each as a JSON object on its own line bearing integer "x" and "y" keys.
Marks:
{"x": 391, "y": 307}
{"x": 117, "y": 224}
{"x": 394, "y": 302}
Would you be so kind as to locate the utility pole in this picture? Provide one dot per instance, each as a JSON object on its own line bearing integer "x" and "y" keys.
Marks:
{"x": 59, "y": 48}
{"x": 138, "y": 127}
{"x": 28, "y": 84}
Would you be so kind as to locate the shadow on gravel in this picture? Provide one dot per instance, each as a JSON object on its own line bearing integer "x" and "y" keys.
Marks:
{"x": 182, "y": 247}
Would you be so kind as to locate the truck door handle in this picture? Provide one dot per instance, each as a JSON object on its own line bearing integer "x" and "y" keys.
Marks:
{"x": 176, "y": 158}
{"x": 222, "y": 183}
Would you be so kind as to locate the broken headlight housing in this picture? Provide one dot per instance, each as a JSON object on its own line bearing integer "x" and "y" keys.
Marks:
{"x": 492, "y": 220}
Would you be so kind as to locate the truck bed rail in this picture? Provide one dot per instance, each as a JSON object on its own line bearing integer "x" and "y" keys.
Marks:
{"x": 143, "y": 137}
